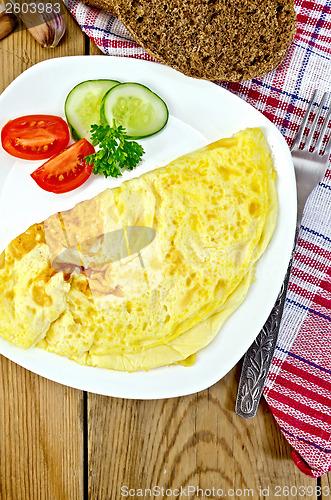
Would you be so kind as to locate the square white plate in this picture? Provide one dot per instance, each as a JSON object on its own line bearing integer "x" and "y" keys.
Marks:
{"x": 199, "y": 112}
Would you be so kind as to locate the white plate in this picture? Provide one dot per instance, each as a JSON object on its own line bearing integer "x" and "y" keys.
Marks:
{"x": 200, "y": 112}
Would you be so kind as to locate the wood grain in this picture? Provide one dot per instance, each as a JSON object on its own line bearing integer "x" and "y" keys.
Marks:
{"x": 326, "y": 487}
{"x": 41, "y": 435}
{"x": 41, "y": 422}
{"x": 195, "y": 440}
{"x": 19, "y": 50}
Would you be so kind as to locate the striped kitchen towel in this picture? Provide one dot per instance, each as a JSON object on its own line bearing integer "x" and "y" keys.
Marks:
{"x": 298, "y": 389}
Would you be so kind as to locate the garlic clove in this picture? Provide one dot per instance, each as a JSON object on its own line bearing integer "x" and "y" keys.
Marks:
{"x": 49, "y": 33}
{"x": 7, "y": 22}
{"x": 59, "y": 30}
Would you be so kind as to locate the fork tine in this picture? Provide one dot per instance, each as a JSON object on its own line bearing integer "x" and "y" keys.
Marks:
{"x": 327, "y": 148}
{"x": 303, "y": 125}
{"x": 309, "y": 140}
{"x": 319, "y": 143}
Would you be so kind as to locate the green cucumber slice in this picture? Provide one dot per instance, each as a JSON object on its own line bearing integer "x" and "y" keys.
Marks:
{"x": 83, "y": 104}
{"x": 139, "y": 110}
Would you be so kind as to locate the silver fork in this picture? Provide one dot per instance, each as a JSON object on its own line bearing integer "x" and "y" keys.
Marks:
{"x": 309, "y": 168}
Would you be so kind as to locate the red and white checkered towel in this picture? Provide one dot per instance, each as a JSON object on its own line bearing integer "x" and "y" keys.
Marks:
{"x": 298, "y": 389}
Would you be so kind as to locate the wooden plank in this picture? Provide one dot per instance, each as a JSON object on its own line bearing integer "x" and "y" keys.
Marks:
{"x": 325, "y": 486}
{"x": 20, "y": 50}
{"x": 41, "y": 422}
{"x": 196, "y": 440}
{"x": 41, "y": 435}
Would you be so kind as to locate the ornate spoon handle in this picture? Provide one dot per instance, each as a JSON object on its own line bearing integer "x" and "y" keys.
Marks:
{"x": 258, "y": 358}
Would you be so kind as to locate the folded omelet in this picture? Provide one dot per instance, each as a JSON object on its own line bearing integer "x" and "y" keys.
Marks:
{"x": 145, "y": 274}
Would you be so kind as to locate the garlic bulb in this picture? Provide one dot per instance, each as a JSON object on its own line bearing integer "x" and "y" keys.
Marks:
{"x": 7, "y": 22}
{"x": 44, "y": 21}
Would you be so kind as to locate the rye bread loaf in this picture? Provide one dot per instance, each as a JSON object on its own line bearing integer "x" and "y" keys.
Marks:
{"x": 213, "y": 39}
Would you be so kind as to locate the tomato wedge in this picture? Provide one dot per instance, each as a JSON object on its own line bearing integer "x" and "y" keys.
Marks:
{"x": 35, "y": 137}
{"x": 67, "y": 170}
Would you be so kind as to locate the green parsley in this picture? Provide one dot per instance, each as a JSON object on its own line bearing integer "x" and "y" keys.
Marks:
{"x": 115, "y": 150}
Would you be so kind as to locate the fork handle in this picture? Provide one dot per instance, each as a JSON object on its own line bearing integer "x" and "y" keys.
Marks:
{"x": 257, "y": 359}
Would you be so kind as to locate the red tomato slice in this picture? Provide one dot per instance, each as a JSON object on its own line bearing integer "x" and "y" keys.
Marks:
{"x": 67, "y": 170}
{"x": 35, "y": 137}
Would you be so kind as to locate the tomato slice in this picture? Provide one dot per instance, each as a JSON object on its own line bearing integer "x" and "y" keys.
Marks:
{"x": 67, "y": 170}
{"x": 35, "y": 137}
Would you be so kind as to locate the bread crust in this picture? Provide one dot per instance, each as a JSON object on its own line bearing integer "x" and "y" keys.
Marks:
{"x": 106, "y": 5}
{"x": 210, "y": 39}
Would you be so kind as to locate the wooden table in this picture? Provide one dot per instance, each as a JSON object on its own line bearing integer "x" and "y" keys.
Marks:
{"x": 60, "y": 443}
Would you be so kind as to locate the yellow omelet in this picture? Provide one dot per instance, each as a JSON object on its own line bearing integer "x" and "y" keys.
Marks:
{"x": 145, "y": 274}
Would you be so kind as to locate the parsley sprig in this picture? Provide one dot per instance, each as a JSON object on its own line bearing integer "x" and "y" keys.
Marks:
{"x": 115, "y": 150}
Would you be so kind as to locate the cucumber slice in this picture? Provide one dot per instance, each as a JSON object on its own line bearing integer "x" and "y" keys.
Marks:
{"x": 82, "y": 106}
{"x": 139, "y": 110}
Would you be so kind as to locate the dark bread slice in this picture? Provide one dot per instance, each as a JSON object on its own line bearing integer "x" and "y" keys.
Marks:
{"x": 213, "y": 39}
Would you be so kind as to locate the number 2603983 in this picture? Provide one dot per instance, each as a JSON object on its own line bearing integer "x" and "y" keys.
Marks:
{"x": 302, "y": 491}
{"x": 33, "y": 8}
